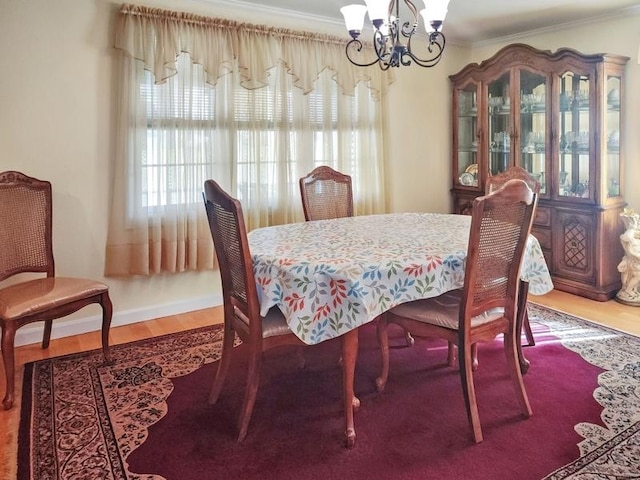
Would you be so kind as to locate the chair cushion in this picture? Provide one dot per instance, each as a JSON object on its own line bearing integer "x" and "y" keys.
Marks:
{"x": 274, "y": 324}
{"x": 42, "y": 294}
{"x": 442, "y": 311}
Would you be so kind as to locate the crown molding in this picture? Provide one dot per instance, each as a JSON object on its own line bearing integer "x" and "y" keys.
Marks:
{"x": 625, "y": 12}
{"x": 256, "y": 8}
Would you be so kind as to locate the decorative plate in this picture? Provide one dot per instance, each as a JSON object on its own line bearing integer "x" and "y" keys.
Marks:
{"x": 472, "y": 169}
{"x": 466, "y": 179}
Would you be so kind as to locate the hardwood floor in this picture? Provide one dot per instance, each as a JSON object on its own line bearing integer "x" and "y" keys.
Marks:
{"x": 612, "y": 314}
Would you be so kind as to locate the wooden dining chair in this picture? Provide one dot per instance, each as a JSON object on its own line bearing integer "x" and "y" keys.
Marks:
{"x": 240, "y": 298}
{"x": 326, "y": 193}
{"x": 486, "y": 305}
{"x": 493, "y": 183}
{"x": 26, "y": 248}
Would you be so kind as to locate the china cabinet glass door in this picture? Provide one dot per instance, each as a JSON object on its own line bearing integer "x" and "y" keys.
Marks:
{"x": 533, "y": 125}
{"x": 573, "y": 173}
{"x": 467, "y": 136}
{"x": 500, "y": 125}
{"x": 612, "y": 129}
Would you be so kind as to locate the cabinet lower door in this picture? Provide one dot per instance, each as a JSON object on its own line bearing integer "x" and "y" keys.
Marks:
{"x": 573, "y": 245}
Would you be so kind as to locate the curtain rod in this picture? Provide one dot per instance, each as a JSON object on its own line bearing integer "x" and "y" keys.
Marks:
{"x": 190, "y": 18}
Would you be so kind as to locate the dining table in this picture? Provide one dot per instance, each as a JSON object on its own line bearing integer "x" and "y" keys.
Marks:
{"x": 330, "y": 277}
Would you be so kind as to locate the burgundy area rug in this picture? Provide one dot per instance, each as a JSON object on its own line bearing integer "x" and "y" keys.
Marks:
{"x": 147, "y": 416}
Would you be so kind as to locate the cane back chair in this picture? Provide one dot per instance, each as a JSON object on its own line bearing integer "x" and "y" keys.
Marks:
{"x": 240, "y": 299}
{"x": 326, "y": 194}
{"x": 486, "y": 306}
{"x": 494, "y": 182}
{"x": 26, "y": 247}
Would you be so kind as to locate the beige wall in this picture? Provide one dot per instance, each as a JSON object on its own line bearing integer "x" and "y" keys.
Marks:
{"x": 419, "y": 138}
{"x": 57, "y": 122}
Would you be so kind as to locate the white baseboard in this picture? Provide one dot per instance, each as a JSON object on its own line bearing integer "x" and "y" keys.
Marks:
{"x": 32, "y": 333}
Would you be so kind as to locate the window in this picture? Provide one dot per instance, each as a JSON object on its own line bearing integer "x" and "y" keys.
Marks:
{"x": 251, "y": 107}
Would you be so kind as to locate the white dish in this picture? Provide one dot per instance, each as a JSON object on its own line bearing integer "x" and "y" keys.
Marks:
{"x": 466, "y": 179}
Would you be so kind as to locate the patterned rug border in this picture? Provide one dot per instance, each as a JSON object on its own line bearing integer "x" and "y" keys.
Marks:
{"x": 614, "y": 451}
{"x": 601, "y": 451}
{"x": 181, "y": 352}
{"x": 620, "y": 446}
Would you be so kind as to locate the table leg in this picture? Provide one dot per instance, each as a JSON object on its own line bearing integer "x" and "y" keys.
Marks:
{"x": 520, "y": 314}
{"x": 351, "y": 402}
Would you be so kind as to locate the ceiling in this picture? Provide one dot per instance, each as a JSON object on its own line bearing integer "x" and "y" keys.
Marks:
{"x": 472, "y": 21}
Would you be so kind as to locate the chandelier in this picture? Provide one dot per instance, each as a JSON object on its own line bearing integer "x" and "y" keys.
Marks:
{"x": 390, "y": 32}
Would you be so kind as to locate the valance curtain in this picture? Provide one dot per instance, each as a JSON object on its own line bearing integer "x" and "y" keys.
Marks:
{"x": 250, "y": 106}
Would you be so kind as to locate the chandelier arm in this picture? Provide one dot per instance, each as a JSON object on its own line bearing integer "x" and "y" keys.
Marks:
{"x": 408, "y": 29}
{"x": 357, "y": 44}
{"x": 384, "y": 47}
{"x": 413, "y": 9}
{"x": 437, "y": 42}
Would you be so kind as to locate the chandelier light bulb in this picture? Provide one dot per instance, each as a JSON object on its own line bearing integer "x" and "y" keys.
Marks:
{"x": 434, "y": 13}
{"x": 354, "y": 18}
{"x": 378, "y": 11}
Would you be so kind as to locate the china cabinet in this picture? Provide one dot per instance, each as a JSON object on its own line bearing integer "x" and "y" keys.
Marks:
{"x": 557, "y": 115}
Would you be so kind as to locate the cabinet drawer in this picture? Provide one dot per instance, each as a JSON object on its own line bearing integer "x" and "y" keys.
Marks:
{"x": 544, "y": 237}
{"x": 542, "y": 216}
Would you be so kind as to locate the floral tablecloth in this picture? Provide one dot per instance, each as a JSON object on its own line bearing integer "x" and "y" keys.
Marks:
{"x": 331, "y": 276}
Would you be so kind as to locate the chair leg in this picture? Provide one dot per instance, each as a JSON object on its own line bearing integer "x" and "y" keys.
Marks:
{"x": 522, "y": 321}
{"x": 468, "y": 389}
{"x": 383, "y": 343}
{"x": 513, "y": 365}
{"x": 107, "y": 314}
{"x": 351, "y": 402}
{"x": 223, "y": 367}
{"x": 253, "y": 381}
{"x": 8, "y": 339}
{"x": 302, "y": 359}
{"x": 452, "y": 355}
{"x": 409, "y": 338}
{"x": 527, "y": 330}
{"x": 46, "y": 336}
{"x": 474, "y": 356}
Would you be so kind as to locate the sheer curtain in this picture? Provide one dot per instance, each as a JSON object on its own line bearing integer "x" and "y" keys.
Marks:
{"x": 253, "y": 107}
